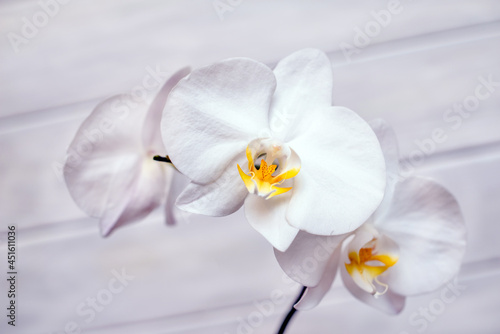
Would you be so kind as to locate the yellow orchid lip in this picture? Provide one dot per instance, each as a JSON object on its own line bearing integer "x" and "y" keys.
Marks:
{"x": 367, "y": 265}
{"x": 261, "y": 180}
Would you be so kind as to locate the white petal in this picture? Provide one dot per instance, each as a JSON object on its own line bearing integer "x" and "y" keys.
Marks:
{"x": 213, "y": 113}
{"x": 147, "y": 193}
{"x": 304, "y": 82}
{"x": 176, "y": 185}
{"x": 389, "y": 144}
{"x": 220, "y": 198}
{"x": 306, "y": 259}
{"x": 342, "y": 177}
{"x": 105, "y": 153}
{"x": 362, "y": 235}
{"x": 151, "y": 131}
{"x": 268, "y": 218}
{"x": 426, "y": 223}
{"x": 314, "y": 295}
{"x": 390, "y": 302}
{"x": 116, "y": 180}
{"x": 387, "y": 246}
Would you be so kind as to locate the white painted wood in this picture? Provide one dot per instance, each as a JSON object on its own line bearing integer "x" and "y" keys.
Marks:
{"x": 205, "y": 275}
{"x": 94, "y": 49}
{"x": 417, "y": 93}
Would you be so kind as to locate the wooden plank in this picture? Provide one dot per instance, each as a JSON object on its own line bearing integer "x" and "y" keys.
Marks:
{"x": 94, "y": 49}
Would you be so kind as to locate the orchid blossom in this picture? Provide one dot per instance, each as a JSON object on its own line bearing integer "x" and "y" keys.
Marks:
{"x": 115, "y": 177}
{"x": 414, "y": 243}
{"x": 245, "y": 134}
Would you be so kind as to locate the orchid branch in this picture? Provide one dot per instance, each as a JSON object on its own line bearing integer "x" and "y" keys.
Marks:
{"x": 162, "y": 159}
{"x": 291, "y": 312}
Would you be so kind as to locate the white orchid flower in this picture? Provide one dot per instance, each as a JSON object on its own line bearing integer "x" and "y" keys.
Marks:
{"x": 271, "y": 140}
{"x": 110, "y": 172}
{"x": 414, "y": 243}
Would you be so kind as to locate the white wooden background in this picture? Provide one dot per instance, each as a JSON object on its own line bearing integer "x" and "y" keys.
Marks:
{"x": 206, "y": 275}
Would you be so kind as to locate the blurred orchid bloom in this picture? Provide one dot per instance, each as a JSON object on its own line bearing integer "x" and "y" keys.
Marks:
{"x": 414, "y": 243}
{"x": 116, "y": 178}
{"x": 243, "y": 133}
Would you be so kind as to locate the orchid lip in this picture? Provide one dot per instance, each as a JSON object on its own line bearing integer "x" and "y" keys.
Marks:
{"x": 371, "y": 262}
{"x": 268, "y": 167}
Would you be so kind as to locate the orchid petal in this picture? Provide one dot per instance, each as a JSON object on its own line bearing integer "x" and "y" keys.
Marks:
{"x": 151, "y": 136}
{"x": 146, "y": 194}
{"x": 304, "y": 83}
{"x": 120, "y": 175}
{"x": 220, "y": 198}
{"x": 105, "y": 148}
{"x": 306, "y": 260}
{"x": 362, "y": 236}
{"x": 425, "y": 221}
{"x": 342, "y": 177}
{"x": 389, "y": 144}
{"x": 213, "y": 113}
{"x": 390, "y": 302}
{"x": 176, "y": 184}
{"x": 314, "y": 295}
{"x": 267, "y": 216}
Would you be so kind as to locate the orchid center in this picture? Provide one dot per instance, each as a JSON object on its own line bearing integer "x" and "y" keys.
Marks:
{"x": 371, "y": 261}
{"x": 270, "y": 163}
